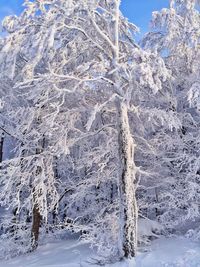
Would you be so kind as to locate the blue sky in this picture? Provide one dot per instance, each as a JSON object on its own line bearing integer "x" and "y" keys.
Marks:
{"x": 138, "y": 11}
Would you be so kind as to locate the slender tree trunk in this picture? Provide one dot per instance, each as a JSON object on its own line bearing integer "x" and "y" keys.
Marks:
{"x": 129, "y": 211}
{"x": 14, "y": 222}
{"x": 36, "y": 219}
{"x": 1, "y": 146}
{"x": 36, "y": 212}
{"x": 157, "y": 200}
{"x": 35, "y": 227}
{"x": 55, "y": 212}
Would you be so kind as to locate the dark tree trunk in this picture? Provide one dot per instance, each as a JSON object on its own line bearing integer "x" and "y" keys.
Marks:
{"x": 1, "y": 146}
{"x": 157, "y": 200}
{"x": 35, "y": 227}
{"x": 36, "y": 219}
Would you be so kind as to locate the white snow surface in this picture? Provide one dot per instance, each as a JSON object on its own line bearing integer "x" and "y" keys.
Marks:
{"x": 172, "y": 252}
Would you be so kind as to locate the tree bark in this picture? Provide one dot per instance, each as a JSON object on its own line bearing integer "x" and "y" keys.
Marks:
{"x": 36, "y": 219}
{"x": 1, "y": 146}
{"x": 127, "y": 180}
{"x": 35, "y": 227}
{"x": 127, "y": 176}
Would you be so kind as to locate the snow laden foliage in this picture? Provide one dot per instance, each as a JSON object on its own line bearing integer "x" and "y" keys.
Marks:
{"x": 176, "y": 195}
{"x": 88, "y": 111}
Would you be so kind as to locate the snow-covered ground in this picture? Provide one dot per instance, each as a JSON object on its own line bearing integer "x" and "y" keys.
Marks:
{"x": 173, "y": 252}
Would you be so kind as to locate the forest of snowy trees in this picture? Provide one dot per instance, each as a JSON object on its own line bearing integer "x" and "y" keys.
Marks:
{"x": 99, "y": 134}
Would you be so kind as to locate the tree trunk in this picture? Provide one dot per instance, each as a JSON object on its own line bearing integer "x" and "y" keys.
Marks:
{"x": 55, "y": 212}
{"x": 1, "y": 146}
{"x": 36, "y": 212}
{"x": 127, "y": 180}
{"x": 157, "y": 200}
{"x": 35, "y": 227}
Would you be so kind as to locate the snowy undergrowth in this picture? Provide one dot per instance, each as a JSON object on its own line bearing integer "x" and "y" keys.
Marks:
{"x": 171, "y": 252}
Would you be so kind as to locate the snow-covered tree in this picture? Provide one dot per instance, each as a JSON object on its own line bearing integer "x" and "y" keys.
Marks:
{"x": 175, "y": 36}
{"x": 84, "y": 88}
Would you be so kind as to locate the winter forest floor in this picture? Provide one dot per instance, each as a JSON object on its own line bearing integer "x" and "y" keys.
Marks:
{"x": 172, "y": 252}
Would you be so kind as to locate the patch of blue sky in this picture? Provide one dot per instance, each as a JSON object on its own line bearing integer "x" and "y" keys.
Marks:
{"x": 137, "y": 11}
{"x": 10, "y": 7}
{"x": 140, "y": 11}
